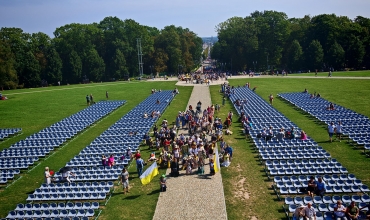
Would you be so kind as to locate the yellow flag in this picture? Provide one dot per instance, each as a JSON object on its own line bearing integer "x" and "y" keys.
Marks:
{"x": 216, "y": 160}
{"x": 149, "y": 174}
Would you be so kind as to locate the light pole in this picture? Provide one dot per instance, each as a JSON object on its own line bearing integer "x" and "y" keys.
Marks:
{"x": 254, "y": 64}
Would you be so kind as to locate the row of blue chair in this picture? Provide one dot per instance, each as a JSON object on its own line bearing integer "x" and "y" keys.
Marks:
{"x": 291, "y": 169}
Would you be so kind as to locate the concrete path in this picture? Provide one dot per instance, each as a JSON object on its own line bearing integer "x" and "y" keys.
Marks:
{"x": 192, "y": 196}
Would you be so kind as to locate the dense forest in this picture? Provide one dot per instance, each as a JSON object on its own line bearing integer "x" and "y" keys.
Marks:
{"x": 271, "y": 40}
{"x": 104, "y": 51}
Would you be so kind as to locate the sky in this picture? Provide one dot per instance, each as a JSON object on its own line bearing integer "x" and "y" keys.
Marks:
{"x": 200, "y": 16}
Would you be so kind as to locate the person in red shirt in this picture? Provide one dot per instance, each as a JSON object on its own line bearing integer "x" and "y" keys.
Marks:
{"x": 137, "y": 155}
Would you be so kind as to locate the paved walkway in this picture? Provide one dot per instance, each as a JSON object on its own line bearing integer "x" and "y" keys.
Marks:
{"x": 193, "y": 196}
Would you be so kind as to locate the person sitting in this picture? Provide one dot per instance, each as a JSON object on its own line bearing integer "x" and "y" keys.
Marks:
{"x": 340, "y": 211}
{"x": 352, "y": 211}
{"x": 226, "y": 162}
{"x": 303, "y": 135}
{"x": 320, "y": 187}
{"x": 299, "y": 213}
{"x": 318, "y": 95}
{"x": 152, "y": 157}
{"x": 228, "y": 132}
{"x": 305, "y": 91}
{"x": 330, "y": 107}
{"x": 309, "y": 212}
{"x": 311, "y": 186}
{"x": 145, "y": 115}
{"x": 158, "y": 102}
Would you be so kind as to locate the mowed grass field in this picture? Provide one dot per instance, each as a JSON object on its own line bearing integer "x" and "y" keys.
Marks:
{"x": 336, "y": 74}
{"x": 248, "y": 192}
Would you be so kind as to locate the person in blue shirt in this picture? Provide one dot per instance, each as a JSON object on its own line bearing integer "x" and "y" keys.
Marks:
{"x": 229, "y": 150}
{"x": 320, "y": 187}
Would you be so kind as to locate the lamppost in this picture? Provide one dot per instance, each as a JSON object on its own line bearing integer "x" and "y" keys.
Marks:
{"x": 254, "y": 64}
{"x": 151, "y": 71}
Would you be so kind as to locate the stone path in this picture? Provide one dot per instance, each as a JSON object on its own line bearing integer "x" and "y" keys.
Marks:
{"x": 193, "y": 196}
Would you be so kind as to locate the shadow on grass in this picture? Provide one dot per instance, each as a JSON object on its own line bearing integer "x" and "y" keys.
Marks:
{"x": 154, "y": 192}
{"x": 131, "y": 197}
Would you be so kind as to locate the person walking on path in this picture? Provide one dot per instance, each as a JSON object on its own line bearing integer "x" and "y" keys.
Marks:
{"x": 124, "y": 180}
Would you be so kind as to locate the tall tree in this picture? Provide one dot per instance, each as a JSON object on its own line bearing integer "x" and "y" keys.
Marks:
{"x": 315, "y": 55}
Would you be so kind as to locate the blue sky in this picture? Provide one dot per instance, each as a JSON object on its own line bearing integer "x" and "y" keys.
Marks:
{"x": 200, "y": 16}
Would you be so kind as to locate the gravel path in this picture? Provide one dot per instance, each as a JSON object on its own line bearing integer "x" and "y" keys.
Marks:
{"x": 192, "y": 196}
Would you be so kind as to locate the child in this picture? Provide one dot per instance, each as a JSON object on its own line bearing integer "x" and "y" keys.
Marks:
{"x": 200, "y": 166}
{"x": 211, "y": 167}
{"x": 162, "y": 183}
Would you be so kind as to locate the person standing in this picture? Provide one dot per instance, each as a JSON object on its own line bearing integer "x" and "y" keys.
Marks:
{"x": 106, "y": 95}
{"x": 271, "y": 99}
{"x": 111, "y": 161}
{"x": 124, "y": 180}
{"x": 331, "y": 128}
{"x": 139, "y": 165}
{"x": 338, "y": 130}
{"x": 87, "y": 99}
{"x": 211, "y": 167}
{"x": 91, "y": 98}
{"x": 47, "y": 176}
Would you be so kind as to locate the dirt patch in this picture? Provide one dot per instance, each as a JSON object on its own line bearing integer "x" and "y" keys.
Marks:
{"x": 238, "y": 168}
{"x": 241, "y": 192}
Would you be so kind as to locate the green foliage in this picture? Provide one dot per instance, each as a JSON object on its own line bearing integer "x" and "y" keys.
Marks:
{"x": 104, "y": 51}
{"x": 272, "y": 39}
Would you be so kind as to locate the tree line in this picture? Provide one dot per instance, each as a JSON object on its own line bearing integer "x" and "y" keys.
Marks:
{"x": 270, "y": 40}
{"x": 103, "y": 51}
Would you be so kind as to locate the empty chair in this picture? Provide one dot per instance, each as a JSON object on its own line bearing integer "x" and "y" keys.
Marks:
{"x": 72, "y": 213}
{"x": 322, "y": 207}
{"x": 95, "y": 205}
{"x": 63, "y": 213}
{"x": 346, "y": 199}
{"x": 307, "y": 199}
{"x": 328, "y": 216}
{"x": 364, "y": 188}
{"x": 365, "y": 198}
{"x": 317, "y": 200}
{"x": 89, "y": 213}
{"x": 80, "y": 213}
{"x": 54, "y": 213}
{"x": 28, "y": 214}
{"x": 19, "y": 207}
{"x": 37, "y": 214}
{"x": 86, "y": 205}
{"x": 46, "y": 213}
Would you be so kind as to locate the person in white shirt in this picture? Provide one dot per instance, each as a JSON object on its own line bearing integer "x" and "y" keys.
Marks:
{"x": 338, "y": 131}
{"x": 340, "y": 211}
{"x": 331, "y": 128}
{"x": 309, "y": 212}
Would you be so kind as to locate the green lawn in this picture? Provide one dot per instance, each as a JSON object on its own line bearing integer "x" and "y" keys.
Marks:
{"x": 365, "y": 73}
{"x": 248, "y": 192}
